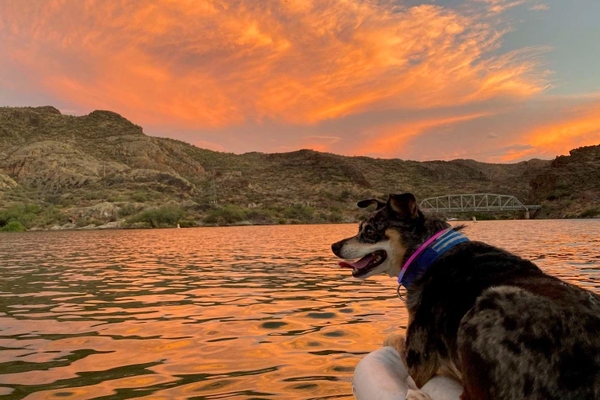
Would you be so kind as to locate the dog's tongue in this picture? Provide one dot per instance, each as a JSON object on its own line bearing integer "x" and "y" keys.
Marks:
{"x": 363, "y": 262}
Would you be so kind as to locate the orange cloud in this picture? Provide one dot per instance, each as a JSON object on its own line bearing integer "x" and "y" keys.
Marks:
{"x": 206, "y": 64}
{"x": 578, "y": 127}
{"x": 388, "y": 140}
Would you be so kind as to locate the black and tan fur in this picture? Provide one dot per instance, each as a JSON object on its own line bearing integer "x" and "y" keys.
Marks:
{"x": 506, "y": 329}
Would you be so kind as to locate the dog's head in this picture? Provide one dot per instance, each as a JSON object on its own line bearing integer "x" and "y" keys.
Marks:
{"x": 387, "y": 236}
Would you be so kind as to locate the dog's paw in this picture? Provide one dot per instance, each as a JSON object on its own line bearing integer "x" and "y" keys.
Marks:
{"x": 417, "y": 395}
{"x": 395, "y": 340}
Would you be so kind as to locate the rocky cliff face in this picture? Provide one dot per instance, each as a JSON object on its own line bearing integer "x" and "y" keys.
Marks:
{"x": 76, "y": 163}
{"x": 570, "y": 187}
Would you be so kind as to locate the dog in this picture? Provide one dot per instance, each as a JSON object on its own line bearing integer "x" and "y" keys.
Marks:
{"x": 495, "y": 321}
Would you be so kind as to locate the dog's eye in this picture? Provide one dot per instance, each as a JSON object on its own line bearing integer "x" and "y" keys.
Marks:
{"x": 369, "y": 232}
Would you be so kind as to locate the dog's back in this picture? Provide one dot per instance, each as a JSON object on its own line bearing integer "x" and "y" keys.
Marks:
{"x": 527, "y": 336}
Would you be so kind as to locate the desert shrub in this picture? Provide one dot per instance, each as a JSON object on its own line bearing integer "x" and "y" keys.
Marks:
{"x": 299, "y": 213}
{"x": 118, "y": 198}
{"x": 12, "y": 226}
{"x": 590, "y": 213}
{"x": 51, "y": 216}
{"x": 228, "y": 214}
{"x": 140, "y": 197}
{"x": 260, "y": 216}
{"x": 54, "y": 199}
{"x": 159, "y": 217}
{"x": 95, "y": 195}
{"x": 559, "y": 192}
{"x": 335, "y": 216}
{"x": 344, "y": 195}
{"x": 81, "y": 222}
{"x": 187, "y": 223}
{"x": 127, "y": 209}
{"x": 24, "y": 214}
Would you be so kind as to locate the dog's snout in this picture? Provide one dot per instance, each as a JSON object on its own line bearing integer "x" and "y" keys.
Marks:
{"x": 336, "y": 247}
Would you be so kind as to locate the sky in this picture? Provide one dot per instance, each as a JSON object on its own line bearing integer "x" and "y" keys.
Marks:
{"x": 497, "y": 81}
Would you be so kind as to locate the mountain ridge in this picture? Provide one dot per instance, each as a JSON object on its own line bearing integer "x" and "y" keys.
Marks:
{"x": 76, "y": 165}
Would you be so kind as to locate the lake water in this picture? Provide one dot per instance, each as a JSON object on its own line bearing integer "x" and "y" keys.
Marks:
{"x": 216, "y": 313}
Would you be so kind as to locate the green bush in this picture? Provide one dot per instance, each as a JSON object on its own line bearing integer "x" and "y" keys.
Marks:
{"x": 25, "y": 214}
{"x": 260, "y": 216}
{"x": 118, "y": 198}
{"x": 140, "y": 197}
{"x": 229, "y": 214}
{"x": 50, "y": 216}
{"x": 159, "y": 217}
{"x": 127, "y": 209}
{"x": 12, "y": 226}
{"x": 590, "y": 213}
{"x": 299, "y": 212}
{"x": 30, "y": 215}
{"x": 335, "y": 217}
{"x": 186, "y": 223}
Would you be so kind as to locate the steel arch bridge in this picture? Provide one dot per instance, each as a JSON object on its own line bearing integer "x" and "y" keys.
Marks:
{"x": 475, "y": 202}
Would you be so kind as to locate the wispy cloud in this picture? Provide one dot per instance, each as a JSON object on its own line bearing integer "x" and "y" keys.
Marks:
{"x": 498, "y": 6}
{"x": 540, "y": 7}
{"x": 385, "y": 141}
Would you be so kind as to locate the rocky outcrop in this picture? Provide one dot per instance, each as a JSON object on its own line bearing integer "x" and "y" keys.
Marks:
{"x": 43, "y": 149}
{"x": 570, "y": 187}
{"x": 6, "y": 182}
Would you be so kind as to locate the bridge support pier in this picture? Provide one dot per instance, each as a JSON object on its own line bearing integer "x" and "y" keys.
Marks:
{"x": 526, "y": 214}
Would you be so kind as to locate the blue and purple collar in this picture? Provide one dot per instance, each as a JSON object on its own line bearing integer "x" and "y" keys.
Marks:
{"x": 428, "y": 253}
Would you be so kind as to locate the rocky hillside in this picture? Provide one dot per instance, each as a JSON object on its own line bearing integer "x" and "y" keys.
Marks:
{"x": 99, "y": 169}
{"x": 570, "y": 187}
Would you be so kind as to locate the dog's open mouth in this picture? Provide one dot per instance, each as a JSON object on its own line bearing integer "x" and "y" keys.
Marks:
{"x": 365, "y": 264}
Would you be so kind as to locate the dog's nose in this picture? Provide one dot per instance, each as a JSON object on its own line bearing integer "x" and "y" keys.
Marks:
{"x": 336, "y": 247}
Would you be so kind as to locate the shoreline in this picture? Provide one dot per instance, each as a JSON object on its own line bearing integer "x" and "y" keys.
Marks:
{"x": 118, "y": 225}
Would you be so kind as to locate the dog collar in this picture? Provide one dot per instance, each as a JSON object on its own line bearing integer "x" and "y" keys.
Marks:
{"x": 428, "y": 253}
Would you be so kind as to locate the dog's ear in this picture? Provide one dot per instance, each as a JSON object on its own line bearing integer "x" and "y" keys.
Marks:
{"x": 368, "y": 202}
{"x": 404, "y": 205}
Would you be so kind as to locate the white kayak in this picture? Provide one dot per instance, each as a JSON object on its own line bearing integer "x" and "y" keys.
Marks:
{"x": 381, "y": 375}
